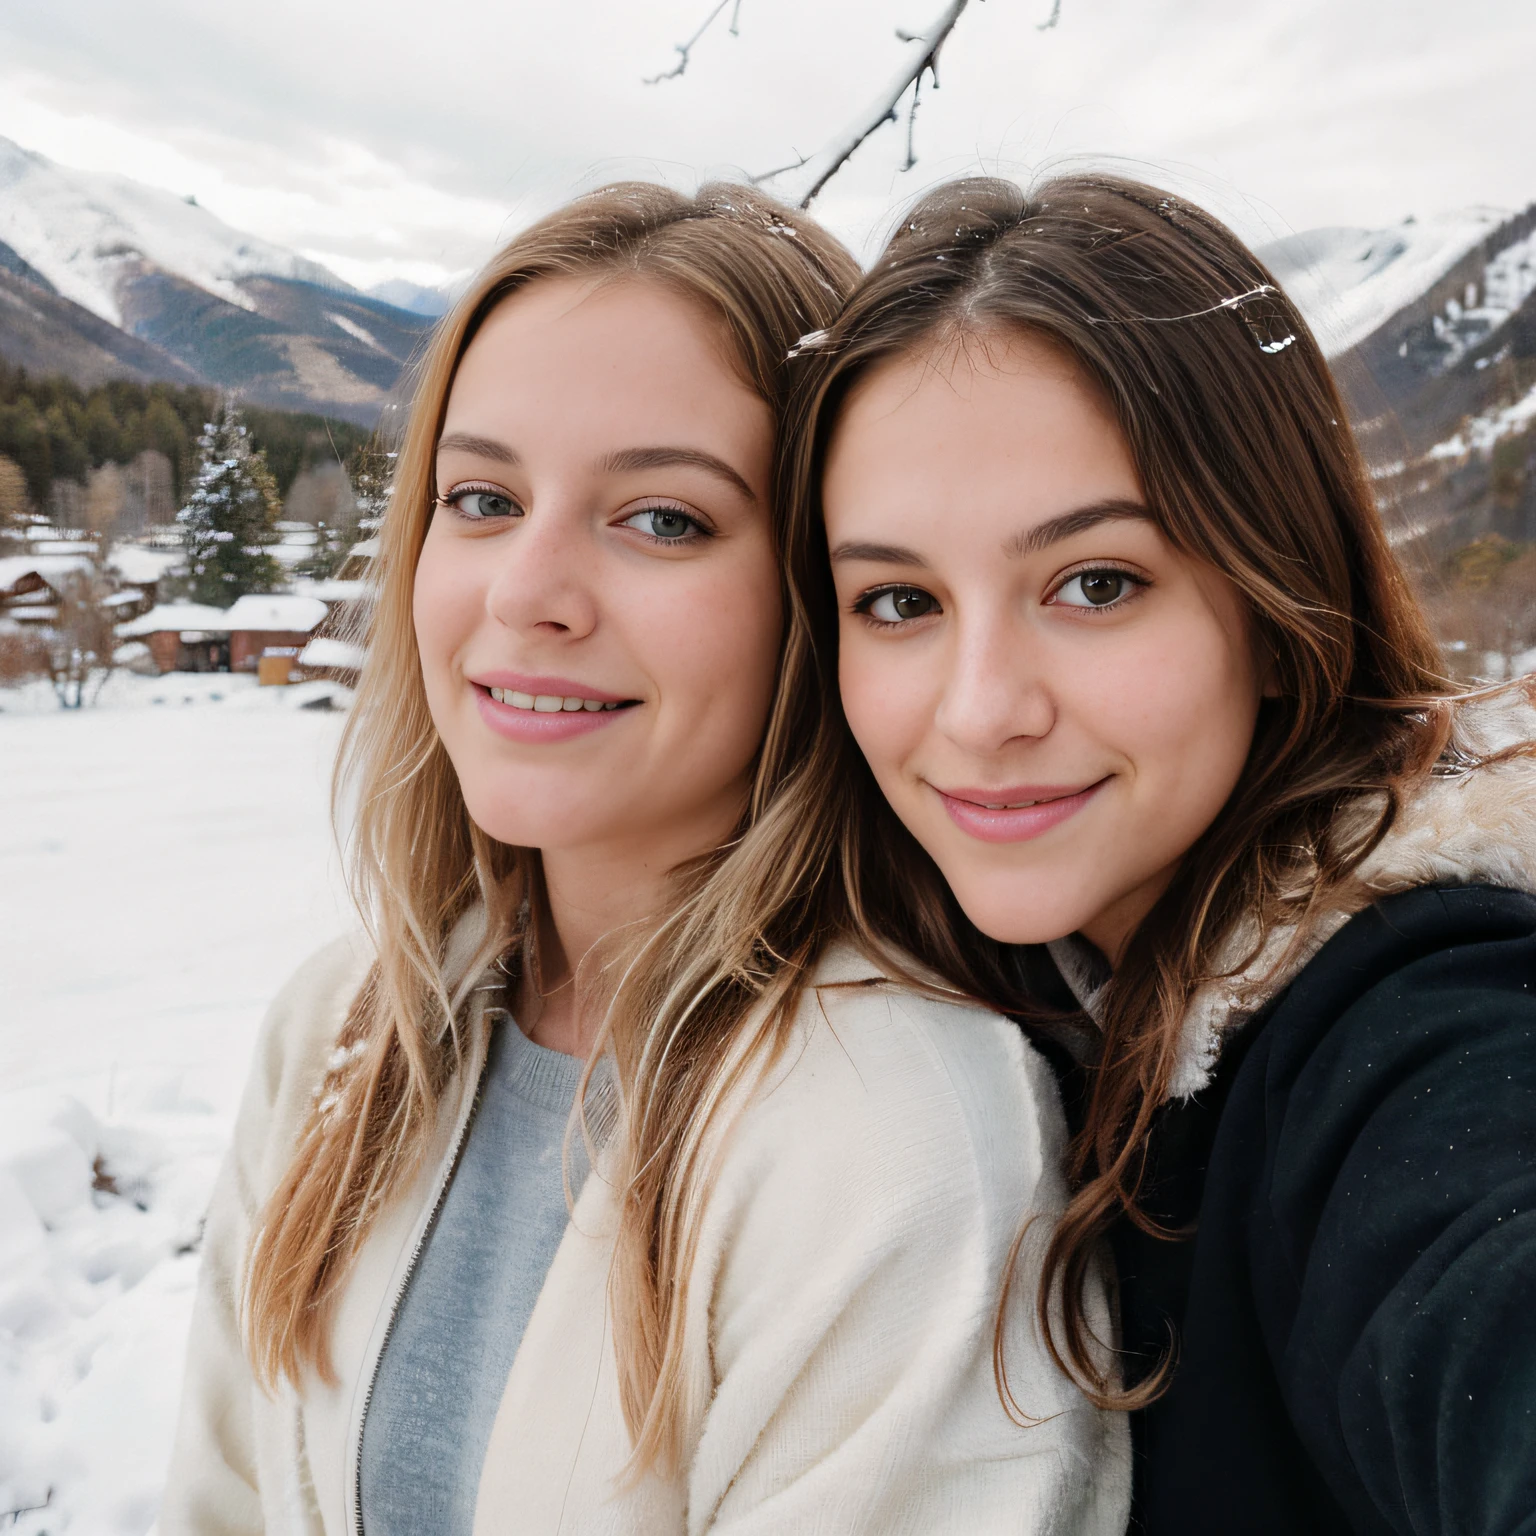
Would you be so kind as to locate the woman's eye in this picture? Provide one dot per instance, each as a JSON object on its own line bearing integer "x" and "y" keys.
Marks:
{"x": 483, "y": 505}
{"x": 1095, "y": 589}
{"x": 665, "y": 523}
{"x": 897, "y": 604}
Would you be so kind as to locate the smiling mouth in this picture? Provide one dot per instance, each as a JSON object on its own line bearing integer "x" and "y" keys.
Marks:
{"x": 1019, "y": 805}
{"x": 554, "y": 703}
{"x": 1016, "y": 817}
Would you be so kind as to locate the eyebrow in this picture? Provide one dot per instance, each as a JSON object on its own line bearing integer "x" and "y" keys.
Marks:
{"x": 483, "y": 447}
{"x": 621, "y": 461}
{"x": 1053, "y": 531}
{"x": 625, "y": 460}
{"x": 1028, "y": 542}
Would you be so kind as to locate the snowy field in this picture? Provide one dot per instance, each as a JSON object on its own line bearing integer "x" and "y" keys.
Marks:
{"x": 165, "y": 862}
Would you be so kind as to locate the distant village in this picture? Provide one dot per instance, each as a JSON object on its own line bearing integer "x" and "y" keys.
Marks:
{"x": 281, "y": 636}
{"x": 78, "y": 603}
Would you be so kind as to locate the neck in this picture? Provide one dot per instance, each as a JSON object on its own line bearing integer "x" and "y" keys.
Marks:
{"x": 592, "y": 894}
{"x": 1110, "y": 931}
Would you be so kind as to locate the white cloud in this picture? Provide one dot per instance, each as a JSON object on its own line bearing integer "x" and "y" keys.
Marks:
{"x": 395, "y": 140}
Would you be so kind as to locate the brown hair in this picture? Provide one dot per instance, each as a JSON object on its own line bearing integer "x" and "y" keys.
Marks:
{"x": 708, "y": 995}
{"x": 1248, "y": 463}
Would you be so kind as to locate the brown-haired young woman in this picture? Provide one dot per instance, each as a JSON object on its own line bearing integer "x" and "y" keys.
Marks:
{"x": 1125, "y": 646}
{"x": 602, "y": 868}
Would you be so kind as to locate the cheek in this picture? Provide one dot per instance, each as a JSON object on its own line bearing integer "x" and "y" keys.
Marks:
{"x": 444, "y": 602}
{"x": 713, "y": 650}
{"x": 1184, "y": 709}
{"x": 883, "y": 702}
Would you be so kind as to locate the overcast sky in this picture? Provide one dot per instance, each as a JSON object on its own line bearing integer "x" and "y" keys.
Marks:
{"x": 406, "y": 140}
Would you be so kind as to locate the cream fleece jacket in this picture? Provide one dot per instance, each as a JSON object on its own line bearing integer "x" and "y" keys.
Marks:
{"x": 839, "y": 1331}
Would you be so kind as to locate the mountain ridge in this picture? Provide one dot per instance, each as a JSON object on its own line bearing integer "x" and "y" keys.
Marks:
{"x": 1431, "y": 325}
{"x": 206, "y": 303}
{"x": 1431, "y": 330}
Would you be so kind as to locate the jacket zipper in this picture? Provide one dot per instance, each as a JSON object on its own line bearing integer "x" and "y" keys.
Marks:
{"x": 410, "y": 1269}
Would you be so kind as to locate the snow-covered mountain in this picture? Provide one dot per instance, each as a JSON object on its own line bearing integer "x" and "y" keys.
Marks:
{"x": 417, "y": 298}
{"x": 1350, "y": 281}
{"x": 1432, "y": 330}
{"x": 87, "y": 232}
{"x": 86, "y": 258}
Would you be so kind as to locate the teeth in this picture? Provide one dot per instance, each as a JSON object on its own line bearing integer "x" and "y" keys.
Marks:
{"x": 548, "y": 703}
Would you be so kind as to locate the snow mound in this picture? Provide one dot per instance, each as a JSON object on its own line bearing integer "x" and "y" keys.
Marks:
{"x": 328, "y": 651}
{"x": 1349, "y": 281}
{"x": 83, "y": 230}
{"x": 279, "y": 611}
{"x": 198, "y": 804}
{"x": 100, "y": 1223}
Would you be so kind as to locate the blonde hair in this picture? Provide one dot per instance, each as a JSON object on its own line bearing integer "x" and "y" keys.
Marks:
{"x": 708, "y": 994}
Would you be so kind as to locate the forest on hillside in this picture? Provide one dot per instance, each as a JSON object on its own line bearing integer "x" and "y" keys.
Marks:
{"x": 57, "y": 431}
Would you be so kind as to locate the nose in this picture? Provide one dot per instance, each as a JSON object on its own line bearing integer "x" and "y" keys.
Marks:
{"x": 543, "y": 579}
{"x": 998, "y": 689}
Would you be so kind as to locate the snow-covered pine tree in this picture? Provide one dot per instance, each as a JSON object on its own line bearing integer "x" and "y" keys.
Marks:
{"x": 227, "y": 523}
{"x": 372, "y": 472}
{"x": 369, "y": 472}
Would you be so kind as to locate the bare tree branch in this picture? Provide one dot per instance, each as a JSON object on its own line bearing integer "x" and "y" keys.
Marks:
{"x": 683, "y": 50}
{"x": 778, "y": 170}
{"x": 917, "y": 96}
{"x": 922, "y": 57}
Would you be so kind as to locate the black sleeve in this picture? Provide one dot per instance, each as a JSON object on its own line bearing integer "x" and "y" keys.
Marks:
{"x": 1394, "y": 1261}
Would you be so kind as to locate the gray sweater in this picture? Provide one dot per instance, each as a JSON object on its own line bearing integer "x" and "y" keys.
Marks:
{"x": 469, "y": 1297}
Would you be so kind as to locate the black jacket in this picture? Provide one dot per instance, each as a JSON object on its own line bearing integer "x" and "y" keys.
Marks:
{"x": 1356, "y": 1313}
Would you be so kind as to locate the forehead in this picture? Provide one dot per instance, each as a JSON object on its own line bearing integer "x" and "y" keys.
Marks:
{"x": 565, "y": 356}
{"x": 961, "y": 361}
{"x": 1008, "y": 410}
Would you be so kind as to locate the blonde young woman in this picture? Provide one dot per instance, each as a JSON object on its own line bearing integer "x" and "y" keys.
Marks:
{"x": 603, "y": 870}
{"x": 1125, "y": 645}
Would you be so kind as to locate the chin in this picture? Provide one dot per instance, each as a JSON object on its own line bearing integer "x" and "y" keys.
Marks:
{"x": 1015, "y": 912}
{"x": 532, "y": 820}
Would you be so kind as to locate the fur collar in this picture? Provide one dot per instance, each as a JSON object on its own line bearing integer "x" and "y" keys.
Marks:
{"x": 1472, "y": 827}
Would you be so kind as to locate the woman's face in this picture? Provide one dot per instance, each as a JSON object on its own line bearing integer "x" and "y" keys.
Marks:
{"x": 597, "y": 605}
{"x": 1054, "y": 699}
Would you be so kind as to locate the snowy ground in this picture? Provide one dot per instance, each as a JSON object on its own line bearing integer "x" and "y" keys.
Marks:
{"x": 165, "y": 861}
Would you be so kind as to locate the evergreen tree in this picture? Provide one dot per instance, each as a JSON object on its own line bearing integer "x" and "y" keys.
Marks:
{"x": 14, "y": 504}
{"x": 164, "y": 432}
{"x": 372, "y": 472}
{"x": 369, "y": 473}
{"x": 228, "y": 520}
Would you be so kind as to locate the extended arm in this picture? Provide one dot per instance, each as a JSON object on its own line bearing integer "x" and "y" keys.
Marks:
{"x": 1401, "y": 1230}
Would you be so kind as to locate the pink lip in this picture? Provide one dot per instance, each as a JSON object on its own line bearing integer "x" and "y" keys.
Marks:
{"x": 531, "y": 726}
{"x": 968, "y": 809}
{"x": 527, "y": 682}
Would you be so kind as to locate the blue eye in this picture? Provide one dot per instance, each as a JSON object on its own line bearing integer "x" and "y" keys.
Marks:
{"x": 671, "y": 525}
{"x": 482, "y": 506}
{"x": 1096, "y": 589}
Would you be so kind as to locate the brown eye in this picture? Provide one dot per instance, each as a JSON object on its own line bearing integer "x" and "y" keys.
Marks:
{"x": 1095, "y": 589}
{"x": 898, "y": 603}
